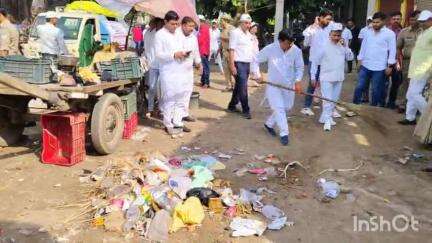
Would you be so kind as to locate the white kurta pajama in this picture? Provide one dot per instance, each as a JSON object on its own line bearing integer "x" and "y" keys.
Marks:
{"x": 332, "y": 59}
{"x": 284, "y": 68}
{"x": 190, "y": 43}
{"x": 175, "y": 76}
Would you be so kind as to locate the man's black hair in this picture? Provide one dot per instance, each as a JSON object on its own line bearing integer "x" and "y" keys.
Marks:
{"x": 187, "y": 20}
{"x": 350, "y": 19}
{"x": 414, "y": 14}
{"x": 379, "y": 15}
{"x": 171, "y": 15}
{"x": 3, "y": 12}
{"x": 285, "y": 35}
{"x": 395, "y": 13}
{"x": 325, "y": 13}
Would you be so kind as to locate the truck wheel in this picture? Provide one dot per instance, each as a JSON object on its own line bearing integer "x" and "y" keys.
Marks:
{"x": 107, "y": 123}
{"x": 9, "y": 133}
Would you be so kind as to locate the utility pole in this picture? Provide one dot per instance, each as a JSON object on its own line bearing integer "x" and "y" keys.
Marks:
{"x": 279, "y": 16}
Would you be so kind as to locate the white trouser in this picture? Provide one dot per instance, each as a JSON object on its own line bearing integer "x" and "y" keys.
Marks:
{"x": 173, "y": 113}
{"x": 280, "y": 102}
{"x": 329, "y": 90}
{"x": 217, "y": 57}
{"x": 416, "y": 101}
{"x": 153, "y": 77}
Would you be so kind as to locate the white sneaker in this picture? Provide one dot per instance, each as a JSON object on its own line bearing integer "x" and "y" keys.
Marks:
{"x": 307, "y": 112}
{"x": 327, "y": 126}
{"x": 336, "y": 114}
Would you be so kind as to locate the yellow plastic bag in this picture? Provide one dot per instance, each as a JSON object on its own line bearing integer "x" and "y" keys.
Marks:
{"x": 189, "y": 213}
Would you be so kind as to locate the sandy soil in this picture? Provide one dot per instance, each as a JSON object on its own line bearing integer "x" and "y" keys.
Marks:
{"x": 30, "y": 192}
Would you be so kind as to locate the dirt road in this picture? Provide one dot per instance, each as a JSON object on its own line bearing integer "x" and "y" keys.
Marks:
{"x": 31, "y": 192}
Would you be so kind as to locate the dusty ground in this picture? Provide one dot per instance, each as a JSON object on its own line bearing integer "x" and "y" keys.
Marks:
{"x": 30, "y": 193}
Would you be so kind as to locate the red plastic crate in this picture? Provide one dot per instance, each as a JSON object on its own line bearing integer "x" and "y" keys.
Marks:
{"x": 131, "y": 125}
{"x": 63, "y": 138}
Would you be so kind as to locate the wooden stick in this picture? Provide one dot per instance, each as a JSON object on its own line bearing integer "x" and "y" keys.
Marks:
{"x": 341, "y": 170}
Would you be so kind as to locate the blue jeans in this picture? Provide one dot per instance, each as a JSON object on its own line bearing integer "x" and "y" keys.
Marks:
{"x": 205, "y": 78}
{"x": 310, "y": 88}
{"x": 378, "y": 82}
{"x": 240, "y": 93}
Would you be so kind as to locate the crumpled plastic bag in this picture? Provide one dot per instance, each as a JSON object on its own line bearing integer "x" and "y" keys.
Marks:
{"x": 202, "y": 177}
{"x": 159, "y": 226}
{"x": 247, "y": 227}
{"x": 180, "y": 185}
{"x": 188, "y": 213}
{"x": 275, "y": 216}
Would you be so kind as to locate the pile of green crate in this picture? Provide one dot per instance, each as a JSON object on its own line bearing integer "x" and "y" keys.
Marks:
{"x": 128, "y": 68}
{"x": 129, "y": 104}
{"x": 35, "y": 71}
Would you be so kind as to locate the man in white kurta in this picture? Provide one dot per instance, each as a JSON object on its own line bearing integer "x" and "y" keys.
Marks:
{"x": 190, "y": 46}
{"x": 285, "y": 67}
{"x": 171, "y": 55}
{"x": 331, "y": 58}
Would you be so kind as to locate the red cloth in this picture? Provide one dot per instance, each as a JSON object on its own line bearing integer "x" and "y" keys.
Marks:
{"x": 137, "y": 34}
{"x": 204, "y": 39}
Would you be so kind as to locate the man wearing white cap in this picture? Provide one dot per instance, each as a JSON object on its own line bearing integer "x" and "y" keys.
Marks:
{"x": 420, "y": 70}
{"x": 331, "y": 58}
{"x": 215, "y": 44}
{"x": 364, "y": 30}
{"x": 51, "y": 38}
{"x": 241, "y": 56}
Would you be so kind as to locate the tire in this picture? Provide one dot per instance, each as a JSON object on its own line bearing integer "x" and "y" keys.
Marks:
{"x": 107, "y": 124}
{"x": 9, "y": 133}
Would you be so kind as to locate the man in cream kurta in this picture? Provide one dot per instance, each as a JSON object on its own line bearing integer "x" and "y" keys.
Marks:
{"x": 331, "y": 58}
{"x": 174, "y": 81}
{"x": 285, "y": 67}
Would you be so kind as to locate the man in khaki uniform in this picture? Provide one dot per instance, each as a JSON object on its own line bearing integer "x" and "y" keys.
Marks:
{"x": 405, "y": 44}
{"x": 225, "y": 36}
{"x": 9, "y": 36}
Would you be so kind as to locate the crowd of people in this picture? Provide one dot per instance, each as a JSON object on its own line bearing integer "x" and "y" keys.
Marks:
{"x": 387, "y": 56}
{"x": 394, "y": 64}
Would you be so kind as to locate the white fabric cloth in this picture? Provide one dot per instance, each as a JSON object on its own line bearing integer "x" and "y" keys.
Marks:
{"x": 332, "y": 91}
{"x": 150, "y": 48}
{"x": 51, "y": 39}
{"x": 316, "y": 37}
{"x": 347, "y": 36}
{"x": 378, "y": 49}
{"x": 363, "y": 31}
{"x": 215, "y": 39}
{"x": 284, "y": 68}
{"x": 176, "y": 77}
{"x": 242, "y": 44}
{"x": 415, "y": 100}
{"x": 332, "y": 59}
{"x": 218, "y": 59}
{"x": 254, "y": 66}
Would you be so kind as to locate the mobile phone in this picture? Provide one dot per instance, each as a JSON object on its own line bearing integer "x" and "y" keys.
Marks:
{"x": 188, "y": 53}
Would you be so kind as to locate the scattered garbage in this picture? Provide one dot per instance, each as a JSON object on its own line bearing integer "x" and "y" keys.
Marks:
{"x": 141, "y": 134}
{"x": 224, "y": 156}
{"x": 247, "y": 227}
{"x": 329, "y": 189}
{"x": 149, "y": 195}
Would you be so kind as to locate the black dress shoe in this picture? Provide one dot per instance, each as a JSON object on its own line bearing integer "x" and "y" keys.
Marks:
{"x": 247, "y": 115}
{"x": 233, "y": 110}
{"x": 270, "y": 130}
{"x": 406, "y": 122}
{"x": 184, "y": 128}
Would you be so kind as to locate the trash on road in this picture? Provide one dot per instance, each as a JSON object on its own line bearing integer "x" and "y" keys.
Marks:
{"x": 247, "y": 227}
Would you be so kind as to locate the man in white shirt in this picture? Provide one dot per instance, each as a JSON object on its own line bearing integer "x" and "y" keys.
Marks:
{"x": 285, "y": 67}
{"x": 190, "y": 46}
{"x": 331, "y": 58}
{"x": 241, "y": 56}
{"x": 377, "y": 58}
{"x": 315, "y": 36}
{"x": 215, "y": 41}
{"x": 365, "y": 29}
{"x": 149, "y": 50}
{"x": 170, "y": 55}
{"x": 51, "y": 38}
{"x": 346, "y": 36}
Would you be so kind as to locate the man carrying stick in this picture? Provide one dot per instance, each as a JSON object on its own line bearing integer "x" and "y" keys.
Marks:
{"x": 285, "y": 67}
